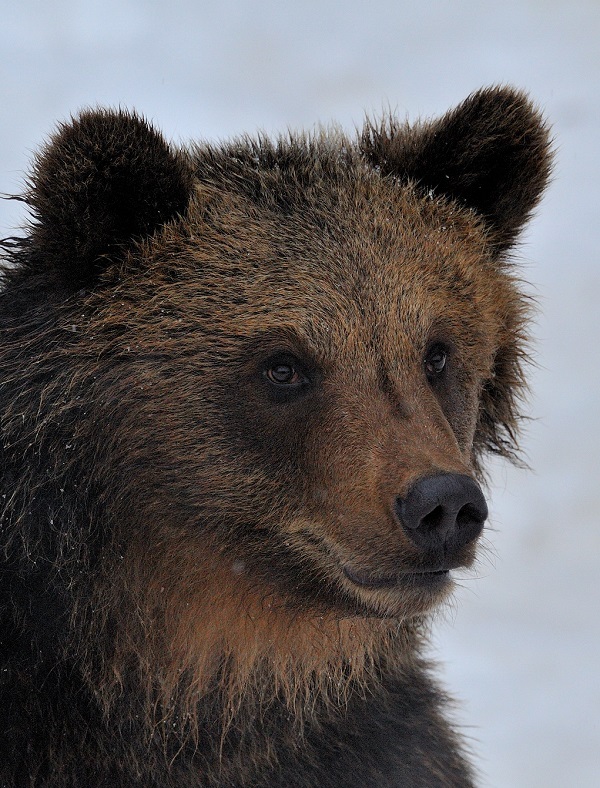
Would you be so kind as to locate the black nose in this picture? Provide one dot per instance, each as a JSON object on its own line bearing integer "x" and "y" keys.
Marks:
{"x": 445, "y": 508}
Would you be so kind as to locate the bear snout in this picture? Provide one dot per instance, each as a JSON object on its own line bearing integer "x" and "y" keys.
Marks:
{"x": 443, "y": 511}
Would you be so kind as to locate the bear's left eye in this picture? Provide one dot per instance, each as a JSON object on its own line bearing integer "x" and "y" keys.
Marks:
{"x": 435, "y": 361}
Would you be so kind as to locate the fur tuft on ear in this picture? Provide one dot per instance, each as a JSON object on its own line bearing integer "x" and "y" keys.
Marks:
{"x": 103, "y": 181}
{"x": 491, "y": 154}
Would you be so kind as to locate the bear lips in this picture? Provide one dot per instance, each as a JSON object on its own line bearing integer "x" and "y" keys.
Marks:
{"x": 425, "y": 577}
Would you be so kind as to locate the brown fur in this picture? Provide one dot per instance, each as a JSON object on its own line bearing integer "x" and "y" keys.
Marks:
{"x": 197, "y": 531}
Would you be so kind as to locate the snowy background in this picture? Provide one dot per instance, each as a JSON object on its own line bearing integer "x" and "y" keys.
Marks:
{"x": 521, "y": 646}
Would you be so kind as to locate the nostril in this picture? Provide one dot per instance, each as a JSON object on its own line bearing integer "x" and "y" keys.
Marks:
{"x": 470, "y": 514}
{"x": 433, "y": 519}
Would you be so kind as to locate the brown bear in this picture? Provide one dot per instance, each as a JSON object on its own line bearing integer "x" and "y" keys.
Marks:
{"x": 245, "y": 394}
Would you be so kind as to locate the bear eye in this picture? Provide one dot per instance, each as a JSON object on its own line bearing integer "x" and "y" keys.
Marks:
{"x": 435, "y": 361}
{"x": 284, "y": 374}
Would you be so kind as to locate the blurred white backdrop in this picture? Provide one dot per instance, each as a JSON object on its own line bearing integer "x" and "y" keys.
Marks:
{"x": 520, "y": 647}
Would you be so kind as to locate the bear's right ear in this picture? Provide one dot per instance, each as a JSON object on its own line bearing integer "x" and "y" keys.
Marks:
{"x": 104, "y": 180}
{"x": 491, "y": 154}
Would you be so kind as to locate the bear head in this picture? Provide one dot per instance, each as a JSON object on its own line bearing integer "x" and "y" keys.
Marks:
{"x": 261, "y": 376}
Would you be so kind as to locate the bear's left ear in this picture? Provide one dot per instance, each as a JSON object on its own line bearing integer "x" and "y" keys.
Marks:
{"x": 104, "y": 180}
{"x": 491, "y": 154}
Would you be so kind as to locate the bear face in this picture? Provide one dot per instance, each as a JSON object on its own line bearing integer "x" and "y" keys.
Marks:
{"x": 247, "y": 391}
{"x": 356, "y": 422}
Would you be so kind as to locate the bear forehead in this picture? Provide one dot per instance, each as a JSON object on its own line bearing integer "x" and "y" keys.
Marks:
{"x": 371, "y": 253}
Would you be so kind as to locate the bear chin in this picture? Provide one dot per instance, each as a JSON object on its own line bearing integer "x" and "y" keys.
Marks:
{"x": 403, "y": 596}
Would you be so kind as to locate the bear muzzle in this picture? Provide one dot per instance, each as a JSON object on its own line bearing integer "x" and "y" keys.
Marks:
{"x": 442, "y": 515}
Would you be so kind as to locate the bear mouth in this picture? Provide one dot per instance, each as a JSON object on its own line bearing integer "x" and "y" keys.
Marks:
{"x": 422, "y": 578}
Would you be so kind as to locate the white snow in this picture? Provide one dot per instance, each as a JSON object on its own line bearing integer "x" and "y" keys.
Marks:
{"x": 521, "y": 647}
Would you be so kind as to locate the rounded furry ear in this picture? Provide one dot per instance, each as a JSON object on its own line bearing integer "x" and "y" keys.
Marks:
{"x": 103, "y": 181}
{"x": 491, "y": 154}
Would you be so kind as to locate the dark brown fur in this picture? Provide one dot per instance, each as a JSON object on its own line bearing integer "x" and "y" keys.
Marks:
{"x": 178, "y": 533}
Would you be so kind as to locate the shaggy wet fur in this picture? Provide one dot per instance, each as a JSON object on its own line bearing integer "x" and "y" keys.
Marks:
{"x": 180, "y": 532}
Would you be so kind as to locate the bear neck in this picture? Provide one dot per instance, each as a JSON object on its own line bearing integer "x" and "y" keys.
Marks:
{"x": 206, "y": 660}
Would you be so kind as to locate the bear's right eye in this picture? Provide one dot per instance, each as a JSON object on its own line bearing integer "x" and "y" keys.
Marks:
{"x": 287, "y": 378}
{"x": 284, "y": 375}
